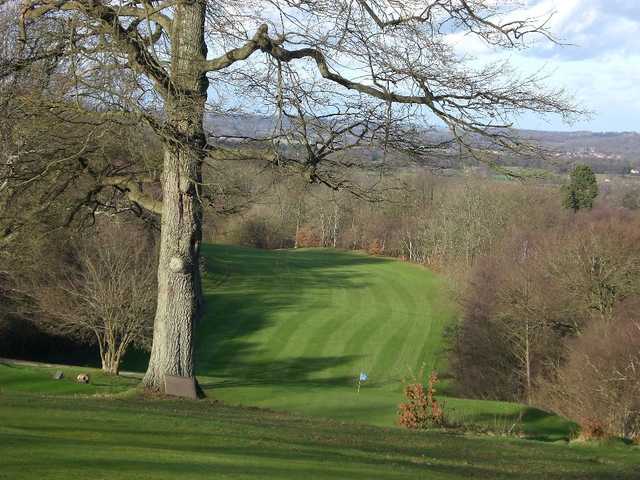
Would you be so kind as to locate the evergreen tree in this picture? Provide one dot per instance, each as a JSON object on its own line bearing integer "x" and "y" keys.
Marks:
{"x": 581, "y": 190}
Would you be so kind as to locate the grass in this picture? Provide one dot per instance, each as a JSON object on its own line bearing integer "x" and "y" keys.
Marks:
{"x": 317, "y": 316}
{"x": 28, "y": 379}
{"x": 292, "y": 329}
{"x": 62, "y": 437}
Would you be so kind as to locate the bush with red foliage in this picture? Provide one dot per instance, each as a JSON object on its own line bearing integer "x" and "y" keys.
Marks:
{"x": 376, "y": 247}
{"x": 307, "y": 237}
{"x": 421, "y": 410}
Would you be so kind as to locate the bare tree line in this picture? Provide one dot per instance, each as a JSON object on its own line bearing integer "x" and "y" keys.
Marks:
{"x": 549, "y": 319}
{"x": 423, "y": 218}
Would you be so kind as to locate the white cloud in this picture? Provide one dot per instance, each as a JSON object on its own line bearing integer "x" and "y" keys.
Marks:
{"x": 588, "y": 28}
{"x": 601, "y": 67}
{"x": 607, "y": 86}
{"x": 592, "y": 27}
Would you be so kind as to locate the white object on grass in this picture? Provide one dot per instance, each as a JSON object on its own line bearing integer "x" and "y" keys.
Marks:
{"x": 362, "y": 378}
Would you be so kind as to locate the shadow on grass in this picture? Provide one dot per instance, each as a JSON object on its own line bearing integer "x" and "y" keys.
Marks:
{"x": 294, "y": 371}
{"x": 246, "y": 443}
{"x": 536, "y": 424}
{"x": 224, "y": 349}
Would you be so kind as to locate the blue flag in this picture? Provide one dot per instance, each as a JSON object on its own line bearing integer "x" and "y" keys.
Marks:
{"x": 363, "y": 377}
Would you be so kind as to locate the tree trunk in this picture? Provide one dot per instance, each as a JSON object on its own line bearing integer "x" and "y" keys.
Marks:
{"x": 528, "y": 362}
{"x": 335, "y": 224}
{"x": 323, "y": 228}
{"x": 298, "y": 215}
{"x": 110, "y": 365}
{"x": 179, "y": 286}
{"x": 110, "y": 359}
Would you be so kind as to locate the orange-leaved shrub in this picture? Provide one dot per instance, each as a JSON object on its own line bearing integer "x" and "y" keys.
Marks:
{"x": 376, "y": 247}
{"x": 421, "y": 410}
{"x": 307, "y": 237}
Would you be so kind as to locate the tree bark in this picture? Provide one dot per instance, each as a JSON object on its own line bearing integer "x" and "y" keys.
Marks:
{"x": 528, "y": 362}
{"x": 335, "y": 223}
{"x": 179, "y": 286}
{"x": 111, "y": 364}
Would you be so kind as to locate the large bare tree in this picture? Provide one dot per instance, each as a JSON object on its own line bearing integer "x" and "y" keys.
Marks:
{"x": 377, "y": 60}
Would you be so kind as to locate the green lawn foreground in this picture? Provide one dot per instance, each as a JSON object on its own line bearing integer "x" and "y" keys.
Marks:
{"x": 66, "y": 437}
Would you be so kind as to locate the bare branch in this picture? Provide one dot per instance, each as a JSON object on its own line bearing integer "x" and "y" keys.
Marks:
{"x": 237, "y": 54}
{"x": 133, "y": 189}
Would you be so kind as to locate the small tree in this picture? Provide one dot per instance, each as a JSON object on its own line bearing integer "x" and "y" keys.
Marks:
{"x": 581, "y": 190}
{"x": 107, "y": 293}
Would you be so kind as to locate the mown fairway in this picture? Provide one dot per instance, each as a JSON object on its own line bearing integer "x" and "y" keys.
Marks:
{"x": 292, "y": 329}
{"x": 317, "y": 316}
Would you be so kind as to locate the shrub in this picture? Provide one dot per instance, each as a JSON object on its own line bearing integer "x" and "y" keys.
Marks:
{"x": 307, "y": 237}
{"x": 599, "y": 384}
{"x": 421, "y": 410}
{"x": 259, "y": 232}
{"x": 376, "y": 247}
{"x": 254, "y": 232}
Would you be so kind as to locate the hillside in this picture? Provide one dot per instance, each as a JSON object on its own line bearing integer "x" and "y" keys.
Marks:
{"x": 605, "y": 152}
{"x": 289, "y": 330}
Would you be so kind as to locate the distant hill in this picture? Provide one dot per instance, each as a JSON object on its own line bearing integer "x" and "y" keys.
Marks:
{"x": 605, "y": 152}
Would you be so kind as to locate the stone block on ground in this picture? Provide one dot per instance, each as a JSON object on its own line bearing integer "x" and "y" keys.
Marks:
{"x": 184, "y": 387}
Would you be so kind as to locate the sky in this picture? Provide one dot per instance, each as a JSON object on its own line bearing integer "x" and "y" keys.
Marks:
{"x": 598, "y": 63}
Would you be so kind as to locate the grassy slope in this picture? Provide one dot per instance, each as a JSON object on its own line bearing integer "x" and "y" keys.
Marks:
{"x": 26, "y": 379}
{"x": 292, "y": 329}
{"x": 60, "y": 437}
